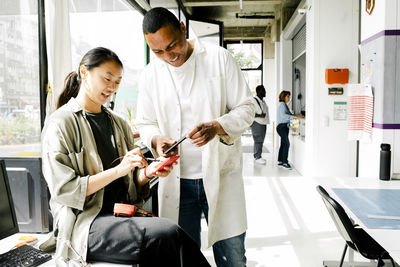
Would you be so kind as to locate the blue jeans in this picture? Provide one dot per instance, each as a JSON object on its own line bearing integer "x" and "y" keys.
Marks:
{"x": 283, "y": 131}
{"x": 193, "y": 202}
{"x": 258, "y": 132}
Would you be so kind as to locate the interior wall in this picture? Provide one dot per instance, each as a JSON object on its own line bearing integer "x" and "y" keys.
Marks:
{"x": 383, "y": 74}
{"x": 277, "y": 67}
{"x": 269, "y": 80}
{"x": 332, "y": 42}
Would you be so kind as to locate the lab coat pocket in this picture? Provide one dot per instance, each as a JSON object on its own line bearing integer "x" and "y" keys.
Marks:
{"x": 229, "y": 158}
{"x": 77, "y": 161}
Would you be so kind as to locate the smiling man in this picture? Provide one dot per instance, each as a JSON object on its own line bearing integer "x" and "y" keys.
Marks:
{"x": 197, "y": 91}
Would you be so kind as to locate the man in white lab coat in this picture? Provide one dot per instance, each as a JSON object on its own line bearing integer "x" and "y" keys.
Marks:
{"x": 197, "y": 91}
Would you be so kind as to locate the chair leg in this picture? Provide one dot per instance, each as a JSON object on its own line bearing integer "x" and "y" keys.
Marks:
{"x": 392, "y": 261}
{"x": 343, "y": 255}
{"x": 380, "y": 262}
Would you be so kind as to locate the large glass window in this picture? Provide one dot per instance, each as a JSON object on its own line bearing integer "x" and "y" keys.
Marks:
{"x": 19, "y": 79}
{"x": 248, "y": 55}
{"x": 116, "y": 25}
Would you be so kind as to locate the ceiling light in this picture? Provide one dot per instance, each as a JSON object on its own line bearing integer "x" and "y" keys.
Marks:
{"x": 255, "y": 16}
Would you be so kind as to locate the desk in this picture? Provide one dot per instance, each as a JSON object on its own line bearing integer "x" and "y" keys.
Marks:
{"x": 8, "y": 243}
{"x": 387, "y": 238}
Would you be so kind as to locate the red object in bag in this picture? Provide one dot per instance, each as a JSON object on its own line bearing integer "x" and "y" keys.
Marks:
{"x": 124, "y": 210}
{"x": 127, "y": 210}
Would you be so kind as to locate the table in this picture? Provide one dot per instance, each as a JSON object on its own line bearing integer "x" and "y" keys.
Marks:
{"x": 9, "y": 242}
{"x": 387, "y": 238}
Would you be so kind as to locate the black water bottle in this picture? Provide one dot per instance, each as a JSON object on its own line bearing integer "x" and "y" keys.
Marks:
{"x": 384, "y": 168}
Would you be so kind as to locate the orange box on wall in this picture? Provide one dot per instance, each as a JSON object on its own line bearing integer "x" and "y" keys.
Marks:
{"x": 336, "y": 76}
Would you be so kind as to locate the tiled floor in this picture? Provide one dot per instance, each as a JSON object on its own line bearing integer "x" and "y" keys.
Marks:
{"x": 288, "y": 225}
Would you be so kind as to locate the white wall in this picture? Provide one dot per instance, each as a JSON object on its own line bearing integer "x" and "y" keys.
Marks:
{"x": 383, "y": 17}
{"x": 332, "y": 42}
{"x": 269, "y": 80}
{"x": 269, "y": 84}
{"x": 277, "y": 68}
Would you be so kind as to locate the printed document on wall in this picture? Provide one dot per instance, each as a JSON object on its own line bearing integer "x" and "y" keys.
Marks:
{"x": 360, "y": 112}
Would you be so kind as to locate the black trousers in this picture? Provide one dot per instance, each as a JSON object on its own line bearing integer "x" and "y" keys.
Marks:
{"x": 283, "y": 131}
{"x": 147, "y": 241}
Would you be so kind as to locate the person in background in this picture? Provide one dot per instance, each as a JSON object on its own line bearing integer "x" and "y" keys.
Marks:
{"x": 283, "y": 119}
{"x": 197, "y": 91}
{"x": 259, "y": 126}
{"x": 90, "y": 163}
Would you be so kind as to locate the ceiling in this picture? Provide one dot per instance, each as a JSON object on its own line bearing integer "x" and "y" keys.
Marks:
{"x": 254, "y": 20}
{"x": 265, "y": 14}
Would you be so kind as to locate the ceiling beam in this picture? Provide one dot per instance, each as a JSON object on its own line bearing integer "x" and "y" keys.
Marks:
{"x": 245, "y": 32}
{"x": 229, "y": 3}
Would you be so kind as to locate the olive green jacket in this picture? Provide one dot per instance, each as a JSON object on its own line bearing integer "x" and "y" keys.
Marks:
{"x": 69, "y": 154}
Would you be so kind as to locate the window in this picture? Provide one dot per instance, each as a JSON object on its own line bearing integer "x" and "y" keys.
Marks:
{"x": 248, "y": 55}
{"x": 206, "y": 32}
{"x": 116, "y": 25}
{"x": 19, "y": 79}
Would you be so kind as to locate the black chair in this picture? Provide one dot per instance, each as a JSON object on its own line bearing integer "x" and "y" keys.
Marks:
{"x": 355, "y": 237}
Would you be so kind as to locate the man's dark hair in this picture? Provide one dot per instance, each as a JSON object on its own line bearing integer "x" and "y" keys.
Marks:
{"x": 157, "y": 18}
{"x": 259, "y": 89}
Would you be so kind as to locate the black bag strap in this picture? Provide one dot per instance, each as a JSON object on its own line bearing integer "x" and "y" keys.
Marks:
{"x": 259, "y": 104}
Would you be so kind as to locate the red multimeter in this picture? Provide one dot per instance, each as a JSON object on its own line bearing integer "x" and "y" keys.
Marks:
{"x": 168, "y": 162}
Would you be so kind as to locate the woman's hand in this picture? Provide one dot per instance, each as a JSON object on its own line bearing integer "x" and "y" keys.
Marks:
{"x": 132, "y": 159}
{"x": 151, "y": 171}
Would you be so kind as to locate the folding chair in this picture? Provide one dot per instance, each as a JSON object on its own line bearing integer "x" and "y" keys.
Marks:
{"x": 355, "y": 237}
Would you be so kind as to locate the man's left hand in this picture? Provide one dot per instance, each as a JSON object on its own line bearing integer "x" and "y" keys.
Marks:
{"x": 202, "y": 133}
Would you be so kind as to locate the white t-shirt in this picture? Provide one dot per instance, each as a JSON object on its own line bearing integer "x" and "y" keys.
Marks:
{"x": 261, "y": 107}
{"x": 183, "y": 76}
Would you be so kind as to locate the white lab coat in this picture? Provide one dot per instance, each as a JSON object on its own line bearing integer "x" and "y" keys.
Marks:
{"x": 219, "y": 92}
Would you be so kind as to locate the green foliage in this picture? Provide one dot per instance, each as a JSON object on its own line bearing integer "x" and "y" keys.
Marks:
{"x": 18, "y": 130}
{"x": 243, "y": 60}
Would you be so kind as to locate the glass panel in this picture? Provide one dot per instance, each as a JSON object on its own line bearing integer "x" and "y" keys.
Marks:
{"x": 248, "y": 55}
{"x": 253, "y": 78}
{"x": 204, "y": 31}
{"x": 19, "y": 79}
{"x": 115, "y": 25}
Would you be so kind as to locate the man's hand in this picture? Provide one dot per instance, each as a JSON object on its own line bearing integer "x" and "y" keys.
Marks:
{"x": 202, "y": 133}
{"x": 162, "y": 143}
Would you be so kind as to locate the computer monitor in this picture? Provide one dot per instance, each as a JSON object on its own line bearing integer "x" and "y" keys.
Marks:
{"x": 8, "y": 221}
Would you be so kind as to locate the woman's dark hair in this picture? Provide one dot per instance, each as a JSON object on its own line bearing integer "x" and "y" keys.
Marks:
{"x": 92, "y": 59}
{"x": 282, "y": 95}
{"x": 158, "y": 17}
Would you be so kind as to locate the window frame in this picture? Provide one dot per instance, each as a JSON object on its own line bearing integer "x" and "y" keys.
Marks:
{"x": 256, "y": 41}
